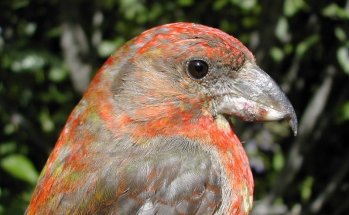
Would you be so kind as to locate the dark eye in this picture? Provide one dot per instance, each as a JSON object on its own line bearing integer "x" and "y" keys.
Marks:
{"x": 197, "y": 69}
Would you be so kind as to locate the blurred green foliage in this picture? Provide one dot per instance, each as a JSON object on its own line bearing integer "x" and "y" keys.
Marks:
{"x": 303, "y": 44}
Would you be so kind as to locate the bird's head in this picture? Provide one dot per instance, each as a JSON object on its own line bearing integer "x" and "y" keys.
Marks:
{"x": 182, "y": 71}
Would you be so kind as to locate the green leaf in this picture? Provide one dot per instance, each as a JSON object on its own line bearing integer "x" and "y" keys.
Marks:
{"x": 7, "y": 147}
{"x": 277, "y": 54}
{"x": 154, "y": 12}
{"x": 343, "y": 58}
{"x": 246, "y": 4}
{"x": 132, "y": 8}
{"x": 30, "y": 28}
{"x": 30, "y": 61}
{"x": 340, "y": 34}
{"x": 20, "y": 167}
{"x": 20, "y": 4}
{"x": 278, "y": 161}
{"x": 107, "y": 47}
{"x": 281, "y": 30}
{"x": 57, "y": 74}
{"x": 219, "y": 4}
{"x": 291, "y": 7}
{"x": 344, "y": 112}
{"x": 306, "y": 188}
{"x": 10, "y": 128}
{"x": 305, "y": 45}
{"x": 185, "y": 2}
{"x": 46, "y": 121}
{"x": 335, "y": 12}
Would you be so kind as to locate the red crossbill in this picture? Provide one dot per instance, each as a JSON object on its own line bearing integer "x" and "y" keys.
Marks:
{"x": 152, "y": 135}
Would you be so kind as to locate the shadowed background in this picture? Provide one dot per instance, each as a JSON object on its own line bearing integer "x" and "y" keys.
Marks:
{"x": 50, "y": 49}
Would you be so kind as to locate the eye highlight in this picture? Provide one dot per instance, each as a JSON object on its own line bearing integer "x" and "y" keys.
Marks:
{"x": 197, "y": 69}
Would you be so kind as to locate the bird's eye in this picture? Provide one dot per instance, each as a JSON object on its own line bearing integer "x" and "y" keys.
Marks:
{"x": 197, "y": 69}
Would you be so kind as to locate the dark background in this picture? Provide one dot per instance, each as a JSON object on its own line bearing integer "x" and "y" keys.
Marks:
{"x": 50, "y": 49}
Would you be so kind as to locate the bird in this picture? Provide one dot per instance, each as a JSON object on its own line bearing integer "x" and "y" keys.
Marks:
{"x": 153, "y": 134}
